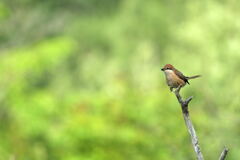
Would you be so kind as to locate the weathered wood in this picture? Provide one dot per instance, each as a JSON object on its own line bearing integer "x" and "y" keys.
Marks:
{"x": 223, "y": 154}
{"x": 191, "y": 130}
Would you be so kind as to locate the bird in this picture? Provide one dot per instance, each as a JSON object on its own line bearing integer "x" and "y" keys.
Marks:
{"x": 175, "y": 78}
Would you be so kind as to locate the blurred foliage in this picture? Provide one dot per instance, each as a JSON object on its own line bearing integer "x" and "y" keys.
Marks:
{"x": 81, "y": 79}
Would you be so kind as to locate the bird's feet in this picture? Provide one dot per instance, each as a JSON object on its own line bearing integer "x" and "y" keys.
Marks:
{"x": 178, "y": 88}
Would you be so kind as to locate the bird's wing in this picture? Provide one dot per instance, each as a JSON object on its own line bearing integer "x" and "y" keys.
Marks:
{"x": 180, "y": 75}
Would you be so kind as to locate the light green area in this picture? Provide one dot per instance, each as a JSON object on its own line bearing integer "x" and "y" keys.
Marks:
{"x": 81, "y": 79}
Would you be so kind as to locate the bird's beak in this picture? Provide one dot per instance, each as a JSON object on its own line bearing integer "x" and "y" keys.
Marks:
{"x": 162, "y": 69}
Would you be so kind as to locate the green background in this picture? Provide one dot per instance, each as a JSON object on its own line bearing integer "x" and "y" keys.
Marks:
{"x": 81, "y": 79}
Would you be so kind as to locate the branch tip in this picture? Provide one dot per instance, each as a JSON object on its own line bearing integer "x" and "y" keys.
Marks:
{"x": 188, "y": 99}
{"x": 224, "y": 153}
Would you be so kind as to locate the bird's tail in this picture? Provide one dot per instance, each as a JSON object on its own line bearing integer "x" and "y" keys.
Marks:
{"x": 192, "y": 77}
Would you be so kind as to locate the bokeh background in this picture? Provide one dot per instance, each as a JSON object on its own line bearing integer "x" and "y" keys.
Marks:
{"x": 81, "y": 79}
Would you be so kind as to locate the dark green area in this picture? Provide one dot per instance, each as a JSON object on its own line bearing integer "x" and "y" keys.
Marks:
{"x": 81, "y": 79}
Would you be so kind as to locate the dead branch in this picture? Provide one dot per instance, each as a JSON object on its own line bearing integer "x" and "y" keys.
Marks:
{"x": 191, "y": 130}
{"x": 223, "y": 154}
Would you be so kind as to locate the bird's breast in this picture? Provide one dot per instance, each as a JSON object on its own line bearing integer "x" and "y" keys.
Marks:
{"x": 172, "y": 79}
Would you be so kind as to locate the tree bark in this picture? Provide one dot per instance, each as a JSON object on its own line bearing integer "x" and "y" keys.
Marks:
{"x": 191, "y": 130}
{"x": 223, "y": 154}
{"x": 190, "y": 127}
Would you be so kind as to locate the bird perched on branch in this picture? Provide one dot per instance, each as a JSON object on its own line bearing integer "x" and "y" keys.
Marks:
{"x": 175, "y": 78}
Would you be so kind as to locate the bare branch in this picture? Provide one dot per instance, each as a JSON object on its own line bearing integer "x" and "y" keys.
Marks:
{"x": 191, "y": 130}
{"x": 188, "y": 100}
{"x": 223, "y": 154}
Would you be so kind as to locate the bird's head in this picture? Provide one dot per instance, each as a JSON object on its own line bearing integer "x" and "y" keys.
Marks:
{"x": 167, "y": 67}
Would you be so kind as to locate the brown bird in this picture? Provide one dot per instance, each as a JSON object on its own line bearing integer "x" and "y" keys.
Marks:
{"x": 175, "y": 78}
